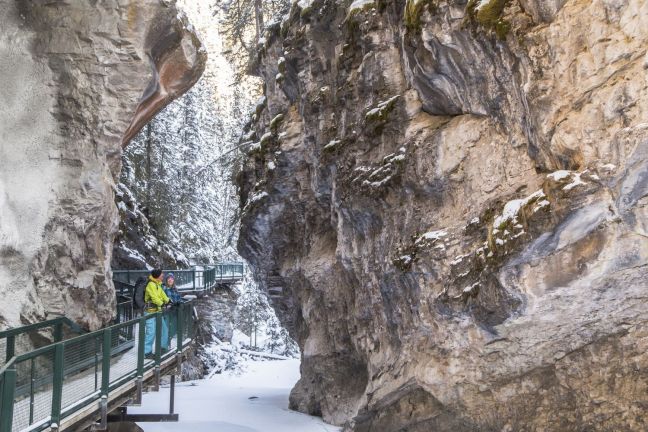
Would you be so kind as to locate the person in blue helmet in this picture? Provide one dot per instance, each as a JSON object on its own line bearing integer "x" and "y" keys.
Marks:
{"x": 174, "y": 296}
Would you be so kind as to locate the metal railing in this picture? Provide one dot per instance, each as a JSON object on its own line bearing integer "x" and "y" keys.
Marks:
{"x": 200, "y": 278}
{"x": 41, "y": 387}
{"x": 23, "y": 339}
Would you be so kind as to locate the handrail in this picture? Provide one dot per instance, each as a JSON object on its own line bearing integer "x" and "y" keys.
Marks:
{"x": 37, "y": 326}
{"x": 190, "y": 280}
{"x": 55, "y": 324}
{"x": 85, "y": 367}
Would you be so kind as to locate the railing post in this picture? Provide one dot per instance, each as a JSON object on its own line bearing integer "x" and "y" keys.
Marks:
{"x": 57, "y": 384}
{"x": 190, "y": 322}
{"x": 158, "y": 349}
{"x": 179, "y": 338}
{"x": 105, "y": 362}
{"x": 96, "y": 363}
{"x": 32, "y": 381}
{"x": 58, "y": 331}
{"x": 158, "y": 337}
{"x": 11, "y": 348}
{"x": 140, "y": 345}
{"x": 172, "y": 395}
{"x": 7, "y": 399}
{"x": 194, "y": 278}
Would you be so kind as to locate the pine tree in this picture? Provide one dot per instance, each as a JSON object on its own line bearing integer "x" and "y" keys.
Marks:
{"x": 275, "y": 343}
{"x": 243, "y": 24}
{"x": 252, "y": 310}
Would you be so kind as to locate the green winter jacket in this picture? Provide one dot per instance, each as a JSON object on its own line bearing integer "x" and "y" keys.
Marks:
{"x": 154, "y": 296}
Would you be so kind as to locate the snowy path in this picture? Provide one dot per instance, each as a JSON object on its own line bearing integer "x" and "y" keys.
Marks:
{"x": 222, "y": 404}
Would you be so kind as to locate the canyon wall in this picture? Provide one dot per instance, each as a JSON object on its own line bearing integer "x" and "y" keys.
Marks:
{"x": 446, "y": 201}
{"x": 78, "y": 80}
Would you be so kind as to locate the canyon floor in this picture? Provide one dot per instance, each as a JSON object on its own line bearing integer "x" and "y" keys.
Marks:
{"x": 253, "y": 398}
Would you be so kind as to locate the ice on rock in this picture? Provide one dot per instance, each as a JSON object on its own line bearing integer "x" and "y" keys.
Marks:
{"x": 359, "y": 5}
{"x": 481, "y": 4}
{"x": 431, "y": 236}
{"x": 470, "y": 289}
{"x": 332, "y": 144}
{"x": 577, "y": 181}
{"x": 512, "y": 208}
{"x": 381, "y": 108}
{"x": 559, "y": 175}
{"x": 305, "y": 4}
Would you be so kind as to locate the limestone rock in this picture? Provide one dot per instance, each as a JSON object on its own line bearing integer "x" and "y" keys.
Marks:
{"x": 137, "y": 244}
{"x": 215, "y": 325}
{"x": 450, "y": 213}
{"x": 79, "y": 78}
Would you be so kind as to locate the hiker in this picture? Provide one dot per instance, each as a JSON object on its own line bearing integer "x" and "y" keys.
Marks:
{"x": 155, "y": 299}
{"x": 171, "y": 290}
{"x": 174, "y": 296}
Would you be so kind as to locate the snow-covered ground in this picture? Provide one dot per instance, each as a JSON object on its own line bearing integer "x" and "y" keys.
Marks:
{"x": 252, "y": 399}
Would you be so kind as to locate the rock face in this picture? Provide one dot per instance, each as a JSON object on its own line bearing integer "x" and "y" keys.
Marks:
{"x": 78, "y": 79}
{"x": 447, "y": 202}
{"x": 137, "y": 244}
{"x": 214, "y": 326}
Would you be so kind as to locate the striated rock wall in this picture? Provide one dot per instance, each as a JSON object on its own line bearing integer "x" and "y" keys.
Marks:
{"x": 78, "y": 79}
{"x": 446, "y": 202}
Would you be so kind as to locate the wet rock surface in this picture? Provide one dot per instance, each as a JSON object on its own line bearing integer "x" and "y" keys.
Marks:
{"x": 446, "y": 203}
{"x": 76, "y": 77}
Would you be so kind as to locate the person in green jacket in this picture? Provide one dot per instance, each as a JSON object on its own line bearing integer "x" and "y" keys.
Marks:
{"x": 155, "y": 299}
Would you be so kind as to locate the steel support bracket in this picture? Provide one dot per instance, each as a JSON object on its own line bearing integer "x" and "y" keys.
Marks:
{"x": 178, "y": 370}
{"x": 123, "y": 416}
{"x": 139, "y": 387}
{"x": 103, "y": 412}
{"x": 156, "y": 381}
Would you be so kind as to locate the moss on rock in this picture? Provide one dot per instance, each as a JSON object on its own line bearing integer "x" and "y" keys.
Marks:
{"x": 276, "y": 122}
{"x": 489, "y": 16}
{"x": 414, "y": 10}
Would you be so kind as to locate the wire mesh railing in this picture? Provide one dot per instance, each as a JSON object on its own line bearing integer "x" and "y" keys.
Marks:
{"x": 24, "y": 339}
{"x": 83, "y": 366}
{"x": 43, "y": 386}
{"x": 33, "y": 396}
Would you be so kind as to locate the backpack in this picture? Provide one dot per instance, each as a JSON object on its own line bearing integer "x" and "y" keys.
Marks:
{"x": 138, "y": 293}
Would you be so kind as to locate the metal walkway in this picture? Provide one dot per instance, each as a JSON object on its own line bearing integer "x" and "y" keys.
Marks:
{"x": 197, "y": 280}
{"x": 55, "y": 377}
